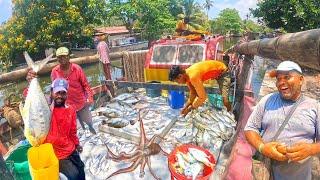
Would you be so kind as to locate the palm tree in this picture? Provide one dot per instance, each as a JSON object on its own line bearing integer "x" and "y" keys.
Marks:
{"x": 208, "y": 4}
{"x": 192, "y": 10}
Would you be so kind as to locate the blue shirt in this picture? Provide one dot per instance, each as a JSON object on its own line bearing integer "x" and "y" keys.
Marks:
{"x": 303, "y": 126}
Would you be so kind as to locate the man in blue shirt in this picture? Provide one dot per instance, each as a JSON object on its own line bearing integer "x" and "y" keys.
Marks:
{"x": 298, "y": 141}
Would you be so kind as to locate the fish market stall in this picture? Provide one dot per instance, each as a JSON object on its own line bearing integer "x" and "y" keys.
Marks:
{"x": 120, "y": 132}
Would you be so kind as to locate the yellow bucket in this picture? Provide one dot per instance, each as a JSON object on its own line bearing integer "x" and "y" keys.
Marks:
{"x": 43, "y": 163}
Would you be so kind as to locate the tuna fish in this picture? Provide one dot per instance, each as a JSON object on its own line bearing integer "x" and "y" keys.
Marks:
{"x": 35, "y": 112}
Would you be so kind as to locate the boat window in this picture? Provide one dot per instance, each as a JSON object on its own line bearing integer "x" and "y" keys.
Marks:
{"x": 191, "y": 53}
{"x": 164, "y": 54}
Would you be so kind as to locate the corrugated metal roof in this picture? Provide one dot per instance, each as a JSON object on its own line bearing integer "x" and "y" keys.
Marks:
{"x": 113, "y": 30}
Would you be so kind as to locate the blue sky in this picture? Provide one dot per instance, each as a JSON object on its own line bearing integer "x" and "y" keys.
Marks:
{"x": 241, "y": 5}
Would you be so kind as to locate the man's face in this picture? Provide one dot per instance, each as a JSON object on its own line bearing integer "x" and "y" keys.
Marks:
{"x": 181, "y": 79}
{"x": 59, "y": 98}
{"x": 101, "y": 37}
{"x": 63, "y": 59}
{"x": 289, "y": 84}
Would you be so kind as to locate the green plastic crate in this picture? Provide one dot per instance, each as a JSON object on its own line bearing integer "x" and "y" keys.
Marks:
{"x": 17, "y": 162}
{"x": 216, "y": 100}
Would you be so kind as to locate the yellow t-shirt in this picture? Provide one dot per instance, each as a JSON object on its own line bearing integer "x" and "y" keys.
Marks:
{"x": 198, "y": 73}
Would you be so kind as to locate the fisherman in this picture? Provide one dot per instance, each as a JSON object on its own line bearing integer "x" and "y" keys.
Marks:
{"x": 195, "y": 75}
{"x": 291, "y": 151}
{"x": 183, "y": 27}
{"x": 103, "y": 52}
{"x": 63, "y": 133}
{"x": 79, "y": 95}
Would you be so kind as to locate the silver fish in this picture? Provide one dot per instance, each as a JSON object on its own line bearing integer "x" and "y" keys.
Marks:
{"x": 35, "y": 112}
{"x": 117, "y": 123}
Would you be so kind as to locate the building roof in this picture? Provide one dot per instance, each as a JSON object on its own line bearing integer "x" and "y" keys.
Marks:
{"x": 114, "y": 30}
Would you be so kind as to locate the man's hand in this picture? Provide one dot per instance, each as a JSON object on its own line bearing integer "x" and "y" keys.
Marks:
{"x": 31, "y": 74}
{"x": 270, "y": 150}
{"x": 90, "y": 100}
{"x": 300, "y": 151}
{"x": 226, "y": 103}
{"x": 186, "y": 110}
{"x": 79, "y": 148}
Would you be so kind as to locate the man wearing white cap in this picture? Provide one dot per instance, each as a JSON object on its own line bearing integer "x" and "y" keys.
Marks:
{"x": 285, "y": 125}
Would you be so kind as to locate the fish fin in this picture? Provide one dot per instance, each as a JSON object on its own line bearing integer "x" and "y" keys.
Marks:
{"x": 36, "y": 67}
{"x": 44, "y": 62}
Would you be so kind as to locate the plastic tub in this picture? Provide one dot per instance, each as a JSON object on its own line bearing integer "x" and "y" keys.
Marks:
{"x": 44, "y": 164}
{"x": 176, "y": 99}
{"x": 184, "y": 149}
{"x": 18, "y": 161}
{"x": 153, "y": 92}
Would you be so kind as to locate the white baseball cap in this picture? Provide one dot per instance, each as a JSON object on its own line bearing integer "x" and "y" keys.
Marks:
{"x": 286, "y": 66}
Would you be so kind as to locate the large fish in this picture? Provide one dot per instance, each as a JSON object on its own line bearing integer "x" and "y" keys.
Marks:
{"x": 35, "y": 112}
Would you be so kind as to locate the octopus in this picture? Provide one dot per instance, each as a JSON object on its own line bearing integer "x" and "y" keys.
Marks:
{"x": 141, "y": 155}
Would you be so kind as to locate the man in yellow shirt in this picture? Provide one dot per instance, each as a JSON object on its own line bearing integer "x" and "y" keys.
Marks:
{"x": 195, "y": 75}
{"x": 183, "y": 28}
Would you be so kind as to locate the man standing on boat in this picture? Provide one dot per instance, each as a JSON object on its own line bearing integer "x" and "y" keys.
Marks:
{"x": 183, "y": 27}
{"x": 195, "y": 75}
{"x": 103, "y": 52}
{"x": 285, "y": 125}
{"x": 63, "y": 133}
{"x": 79, "y": 94}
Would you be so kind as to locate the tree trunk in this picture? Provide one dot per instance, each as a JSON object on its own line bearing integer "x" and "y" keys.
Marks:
{"x": 302, "y": 47}
{"x": 21, "y": 73}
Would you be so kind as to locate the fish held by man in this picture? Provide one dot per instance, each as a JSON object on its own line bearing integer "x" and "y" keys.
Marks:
{"x": 35, "y": 112}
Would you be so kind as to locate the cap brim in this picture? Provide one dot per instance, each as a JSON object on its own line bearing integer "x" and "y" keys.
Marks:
{"x": 57, "y": 89}
{"x": 62, "y": 54}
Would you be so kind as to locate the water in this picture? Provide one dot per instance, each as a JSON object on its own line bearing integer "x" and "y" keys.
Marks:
{"x": 93, "y": 72}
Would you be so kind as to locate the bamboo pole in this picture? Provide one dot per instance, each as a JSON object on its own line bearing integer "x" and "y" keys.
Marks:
{"x": 21, "y": 73}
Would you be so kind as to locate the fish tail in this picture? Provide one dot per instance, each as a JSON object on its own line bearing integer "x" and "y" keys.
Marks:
{"x": 36, "y": 67}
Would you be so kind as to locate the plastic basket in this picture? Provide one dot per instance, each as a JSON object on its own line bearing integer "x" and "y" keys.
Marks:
{"x": 184, "y": 149}
{"x": 216, "y": 100}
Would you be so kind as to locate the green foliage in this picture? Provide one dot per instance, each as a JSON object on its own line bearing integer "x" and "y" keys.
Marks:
{"x": 193, "y": 10}
{"x": 156, "y": 19}
{"x": 291, "y": 15}
{"x": 152, "y": 16}
{"x": 35, "y": 24}
{"x": 251, "y": 26}
{"x": 228, "y": 21}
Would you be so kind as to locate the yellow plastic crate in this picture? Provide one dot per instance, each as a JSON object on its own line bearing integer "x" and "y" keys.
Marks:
{"x": 43, "y": 163}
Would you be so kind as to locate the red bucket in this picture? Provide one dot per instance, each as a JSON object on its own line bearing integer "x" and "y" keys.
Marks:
{"x": 207, "y": 171}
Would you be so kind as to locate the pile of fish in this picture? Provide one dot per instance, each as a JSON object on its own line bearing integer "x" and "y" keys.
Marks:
{"x": 206, "y": 127}
{"x": 121, "y": 114}
{"x": 191, "y": 163}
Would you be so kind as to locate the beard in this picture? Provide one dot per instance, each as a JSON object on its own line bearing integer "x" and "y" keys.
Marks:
{"x": 60, "y": 103}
